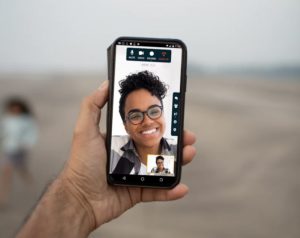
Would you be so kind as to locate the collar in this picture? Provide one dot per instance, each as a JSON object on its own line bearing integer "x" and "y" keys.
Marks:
{"x": 129, "y": 146}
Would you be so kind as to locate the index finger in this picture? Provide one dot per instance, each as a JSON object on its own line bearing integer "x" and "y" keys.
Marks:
{"x": 189, "y": 138}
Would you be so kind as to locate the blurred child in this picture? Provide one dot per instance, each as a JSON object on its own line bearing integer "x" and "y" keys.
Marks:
{"x": 18, "y": 133}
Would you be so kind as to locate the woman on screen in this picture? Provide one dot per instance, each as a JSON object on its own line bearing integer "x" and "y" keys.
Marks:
{"x": 141, "y": 110}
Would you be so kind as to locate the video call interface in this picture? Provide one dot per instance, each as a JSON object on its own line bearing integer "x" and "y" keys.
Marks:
{"x": 146, "y": 107}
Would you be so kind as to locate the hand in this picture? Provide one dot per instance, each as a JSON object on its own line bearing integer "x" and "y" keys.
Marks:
{"x": 85, "y": 172}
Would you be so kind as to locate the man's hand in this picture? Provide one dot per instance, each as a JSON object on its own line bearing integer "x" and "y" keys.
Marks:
{"x": 86, "y": 169}
{"x": 83, "y": 180}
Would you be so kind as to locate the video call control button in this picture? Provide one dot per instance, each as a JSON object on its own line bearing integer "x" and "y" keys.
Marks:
{"x": 161, "y": 180}
{"x": 142, "y": 179}
{"x": 144, "y": 54}
{"x": 175, "y": 114}
{"x": 124, "y": 178}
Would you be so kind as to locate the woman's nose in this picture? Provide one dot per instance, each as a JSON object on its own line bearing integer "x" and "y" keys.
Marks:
{"x": 147, "y": 119}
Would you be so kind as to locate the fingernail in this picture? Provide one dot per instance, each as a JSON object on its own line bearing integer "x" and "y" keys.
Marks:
{"x": 103, "y": 85}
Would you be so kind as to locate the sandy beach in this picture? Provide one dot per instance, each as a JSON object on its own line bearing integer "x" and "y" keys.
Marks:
{"x": 244, "y": 181}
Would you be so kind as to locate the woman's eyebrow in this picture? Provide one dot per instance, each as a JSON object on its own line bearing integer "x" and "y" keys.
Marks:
{"x": 138, "y": 110}
{"x": 134, "y": 110}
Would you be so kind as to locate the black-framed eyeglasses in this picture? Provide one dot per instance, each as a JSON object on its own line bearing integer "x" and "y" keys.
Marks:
{"x": 136, "y": 116}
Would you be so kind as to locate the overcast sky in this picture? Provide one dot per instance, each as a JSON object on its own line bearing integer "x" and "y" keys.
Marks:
{"x": 72, "y": 35}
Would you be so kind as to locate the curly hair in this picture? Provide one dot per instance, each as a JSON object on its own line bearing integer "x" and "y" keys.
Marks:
{"x": 141, "y": 80}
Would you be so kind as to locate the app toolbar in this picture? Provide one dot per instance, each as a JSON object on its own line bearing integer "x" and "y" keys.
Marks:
{"x": 143, "y": 54}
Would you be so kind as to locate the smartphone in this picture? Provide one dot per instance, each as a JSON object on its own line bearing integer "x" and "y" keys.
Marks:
{"x": 145, "y": 116}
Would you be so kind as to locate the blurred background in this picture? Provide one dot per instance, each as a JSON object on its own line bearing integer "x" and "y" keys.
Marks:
{"x": 243, "y": 102}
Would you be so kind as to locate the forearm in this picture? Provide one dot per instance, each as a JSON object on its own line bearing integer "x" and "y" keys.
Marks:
{"x": 59, "y": 214}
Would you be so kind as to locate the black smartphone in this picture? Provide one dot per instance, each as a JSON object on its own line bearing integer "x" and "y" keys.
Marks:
{"x": 145, "y": 116}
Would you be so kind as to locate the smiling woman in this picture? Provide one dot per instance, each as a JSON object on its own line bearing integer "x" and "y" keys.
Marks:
{"x": 141, "y": 109}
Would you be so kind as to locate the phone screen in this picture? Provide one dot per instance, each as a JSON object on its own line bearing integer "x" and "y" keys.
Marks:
{"x": 146, "y": 109}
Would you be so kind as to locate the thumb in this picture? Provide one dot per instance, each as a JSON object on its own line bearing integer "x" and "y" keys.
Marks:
{"x": 100, "y": 96}
{"x": 90, "y": 111}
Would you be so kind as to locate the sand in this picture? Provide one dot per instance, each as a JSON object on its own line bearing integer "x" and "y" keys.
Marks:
{"x": 244, "y": 181}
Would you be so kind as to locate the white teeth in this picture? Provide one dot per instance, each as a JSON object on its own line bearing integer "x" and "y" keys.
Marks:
{"x": 149, "y": 131}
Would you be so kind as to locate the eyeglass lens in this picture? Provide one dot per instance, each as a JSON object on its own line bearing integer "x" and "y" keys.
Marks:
{"x": 137, "y": 117}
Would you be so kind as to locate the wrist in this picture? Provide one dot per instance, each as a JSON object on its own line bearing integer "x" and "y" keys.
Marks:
{"x": 60, "y": 212}
{"x": 77, "y": 201}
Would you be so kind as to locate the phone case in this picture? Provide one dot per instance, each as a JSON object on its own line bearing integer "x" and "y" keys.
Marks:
{"x": 110, "y": 71}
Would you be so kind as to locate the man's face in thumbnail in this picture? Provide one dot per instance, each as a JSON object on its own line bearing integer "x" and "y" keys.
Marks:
{"x": 160, "y": 164}
{"x": 147, "y": 133}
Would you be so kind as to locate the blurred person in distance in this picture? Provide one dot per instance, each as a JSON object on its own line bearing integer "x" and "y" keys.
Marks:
{"x": 18, "y": 134}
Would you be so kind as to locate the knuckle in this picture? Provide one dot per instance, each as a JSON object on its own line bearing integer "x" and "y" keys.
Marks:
{"x": 77, "y": 133}
{"x": 86, "y": 101}
{"x": 88, "y": 104}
